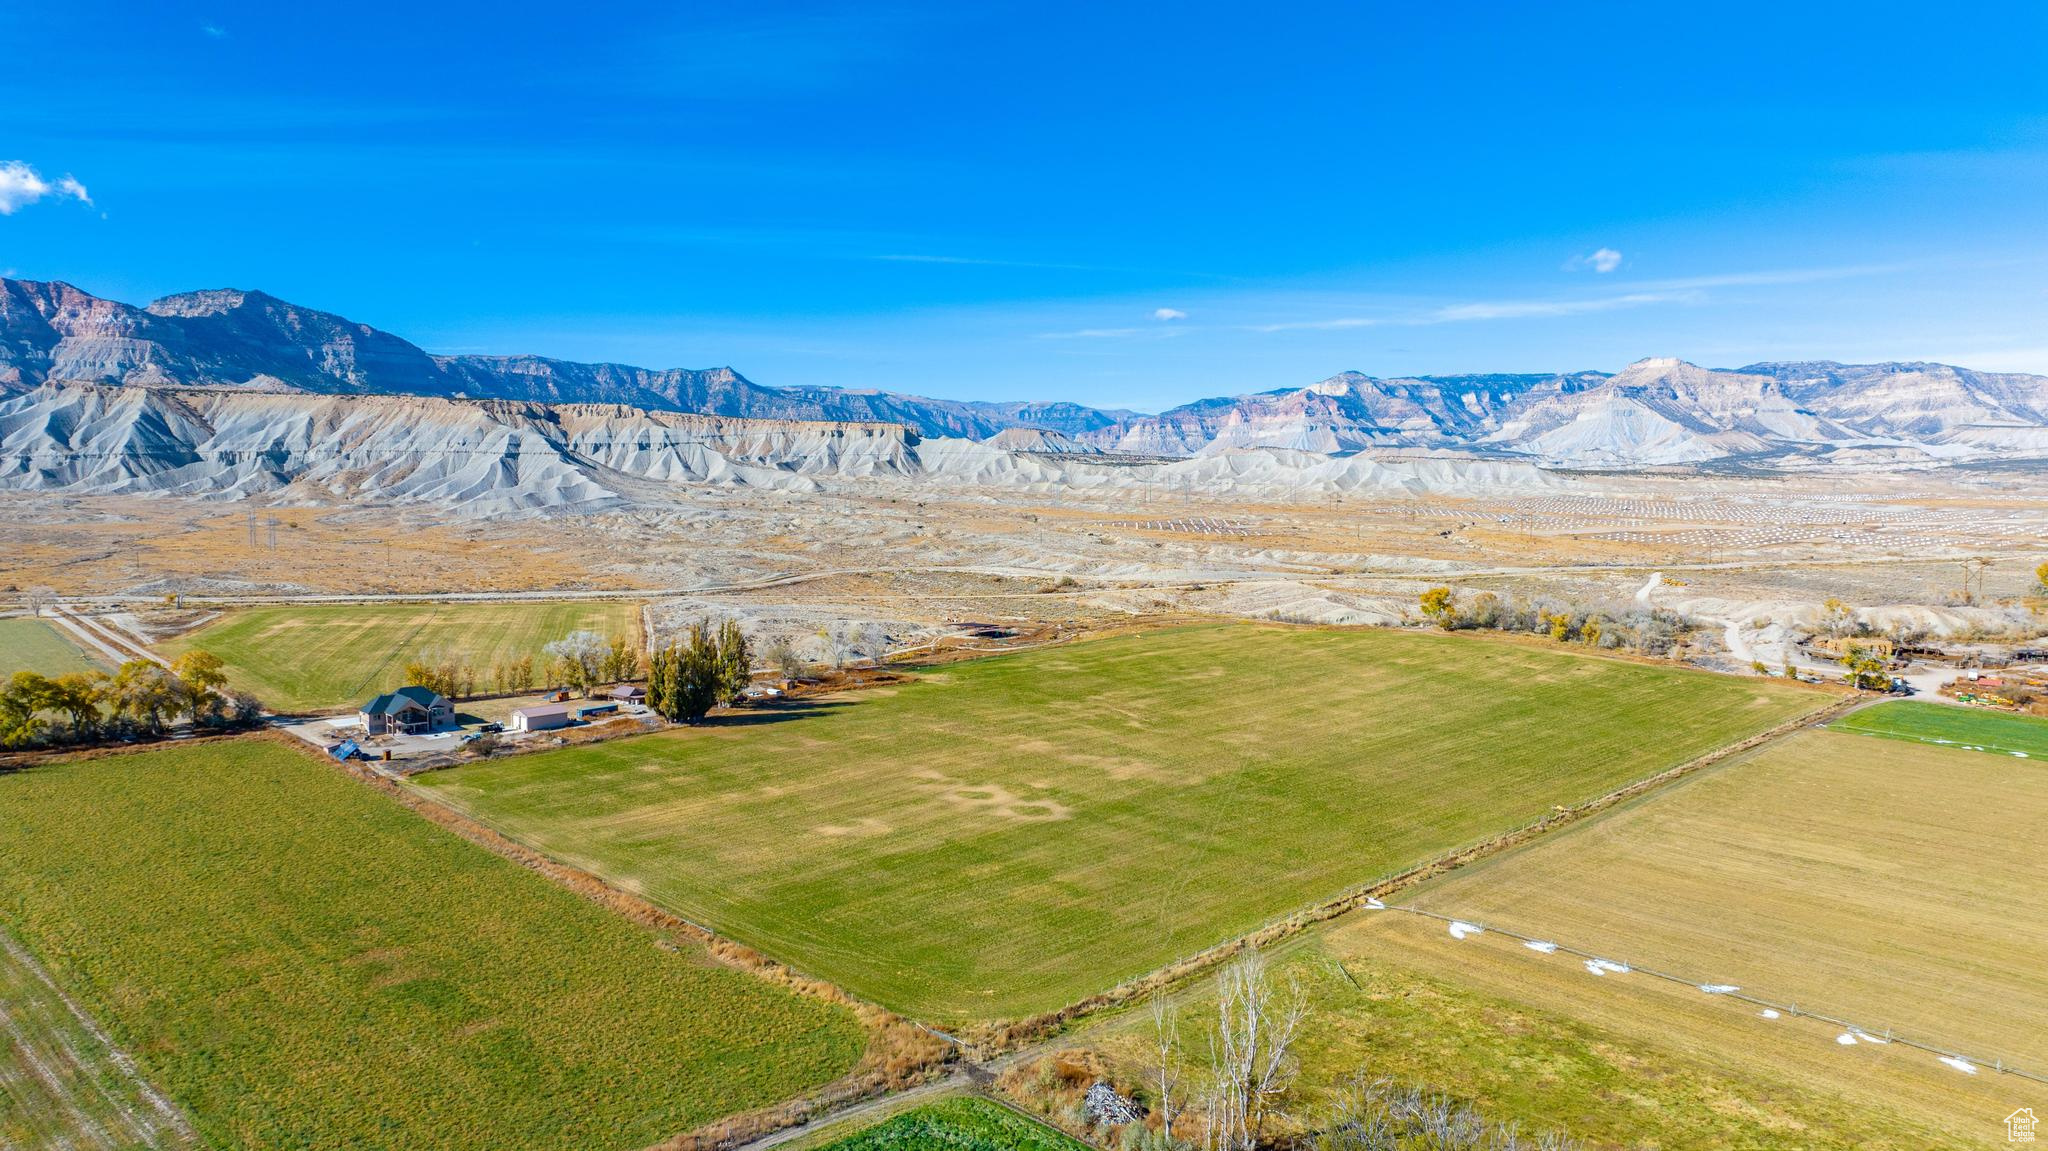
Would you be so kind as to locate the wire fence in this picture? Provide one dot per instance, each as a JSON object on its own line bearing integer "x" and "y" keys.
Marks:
{"x": 1952, "y": 1057}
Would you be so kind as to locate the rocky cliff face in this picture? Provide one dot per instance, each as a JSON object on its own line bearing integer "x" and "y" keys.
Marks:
{"x": 1654, "y": 412}
{"x": 53, "y": 332}
{"x": 504, "y": 457}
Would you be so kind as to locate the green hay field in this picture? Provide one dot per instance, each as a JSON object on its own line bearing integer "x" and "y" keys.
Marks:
{"x": 1884, "y": 883}
{"x": 963, "y": 1123}
{"x": 1011, "y": 835}
{"x": 298, "y": 961}
{"x": 1944, "y": 725}
{"x": 61, "y": 1086}
{"x": 36, "y": 645}
{"x": 335, "y": 656}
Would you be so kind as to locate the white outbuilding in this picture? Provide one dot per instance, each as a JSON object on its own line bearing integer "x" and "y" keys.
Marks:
{"x": 539, "y": 717}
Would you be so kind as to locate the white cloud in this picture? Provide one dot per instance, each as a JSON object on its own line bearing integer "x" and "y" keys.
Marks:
{"x": 21, "y": 185}
{"x": 1488, "y": 310}
{"x": 1091, "y": 334}
{"x": 1168, "y": 314}
{"x": 1601, "y": 260}
{"x": 1322, "y": 325}
{"x": 214, "y": 30}
{"x": 1519, "y": 309}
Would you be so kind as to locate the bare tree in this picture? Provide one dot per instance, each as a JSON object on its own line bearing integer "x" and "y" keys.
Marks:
{"x": 38, "y": 598}
{"x": 782, "y": 656}
{"x": 861, "y": 641}
{"x": 581, "y": 656}
{"x": 1251, "y": 1057}
{"x": 1166, "y": 1033}
{"x": 1376, "y": 1114}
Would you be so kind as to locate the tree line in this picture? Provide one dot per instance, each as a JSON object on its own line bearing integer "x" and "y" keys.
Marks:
{"x": 141, "y": 699}
{"x": 579, "y": 661}
{"x": 708, "y": 666}
{"x": 1651, "y": 631}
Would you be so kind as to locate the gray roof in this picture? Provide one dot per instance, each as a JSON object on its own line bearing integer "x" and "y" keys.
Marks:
{"x": 393, "y": 702}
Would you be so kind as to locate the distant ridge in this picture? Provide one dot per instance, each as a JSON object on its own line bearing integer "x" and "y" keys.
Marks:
{"x": 1657, "y": 411}
{"x": 53, "y": 332}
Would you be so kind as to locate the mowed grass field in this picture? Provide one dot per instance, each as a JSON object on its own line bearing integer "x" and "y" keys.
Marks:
{"x": 335, "y": 656}
{"x": 298, "y": 961}
{"x": 1944, "y": 725}
{"x": 1888, "y": 884}
{"x": 1008, "y": 836}
{"x": 36, "y": 645}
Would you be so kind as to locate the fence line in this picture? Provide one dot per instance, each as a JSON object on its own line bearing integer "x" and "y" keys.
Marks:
{"x": 1862, "y": 1034}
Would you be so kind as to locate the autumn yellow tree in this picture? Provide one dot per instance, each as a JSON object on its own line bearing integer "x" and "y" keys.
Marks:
{"x": 203, "y": 675}
{"x": 1437, "y": 605}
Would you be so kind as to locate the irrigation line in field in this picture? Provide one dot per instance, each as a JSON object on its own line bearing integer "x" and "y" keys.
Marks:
{"x": 398, "y": 651}
{"x": 1859, "y": 1033}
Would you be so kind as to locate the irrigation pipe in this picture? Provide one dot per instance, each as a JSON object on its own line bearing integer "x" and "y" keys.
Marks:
{"x": 1861, "y": 1034}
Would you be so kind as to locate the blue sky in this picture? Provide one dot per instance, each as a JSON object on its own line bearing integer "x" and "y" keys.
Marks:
{"x": 1117, "y": 204}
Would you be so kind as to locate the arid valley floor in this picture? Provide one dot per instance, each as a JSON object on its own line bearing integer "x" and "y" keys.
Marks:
{"x": 1082, "y": 747}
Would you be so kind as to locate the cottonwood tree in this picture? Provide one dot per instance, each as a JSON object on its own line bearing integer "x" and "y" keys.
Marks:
{"x": 1837, "y": 617}
{"x": 581, "y": 656}
{"x": 147, "y": 693}
{"x": 622, "y": 662}
{"x": 203, "y": 675}
{"x": 36, "y": 599}
{"x": 78, "y": 695}
{"x": 1251, "y": 1053}
{"x": 1864, "y": 669}
{"x": 25, "y": 694}
{"x": 1166, "y": 1037}
{"x": 440, "y": 677}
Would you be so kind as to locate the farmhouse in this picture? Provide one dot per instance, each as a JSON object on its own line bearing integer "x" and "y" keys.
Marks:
{"x": 540, "y": 717}
{"x": 407, "y": 710}
{"x": 629, "y": 693}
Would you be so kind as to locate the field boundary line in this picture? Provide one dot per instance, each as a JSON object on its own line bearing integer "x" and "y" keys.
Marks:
{"x": 1862, "y": 1034}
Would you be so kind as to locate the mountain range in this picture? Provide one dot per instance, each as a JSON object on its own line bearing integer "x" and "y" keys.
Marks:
{"x": 1654, "y": 412}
